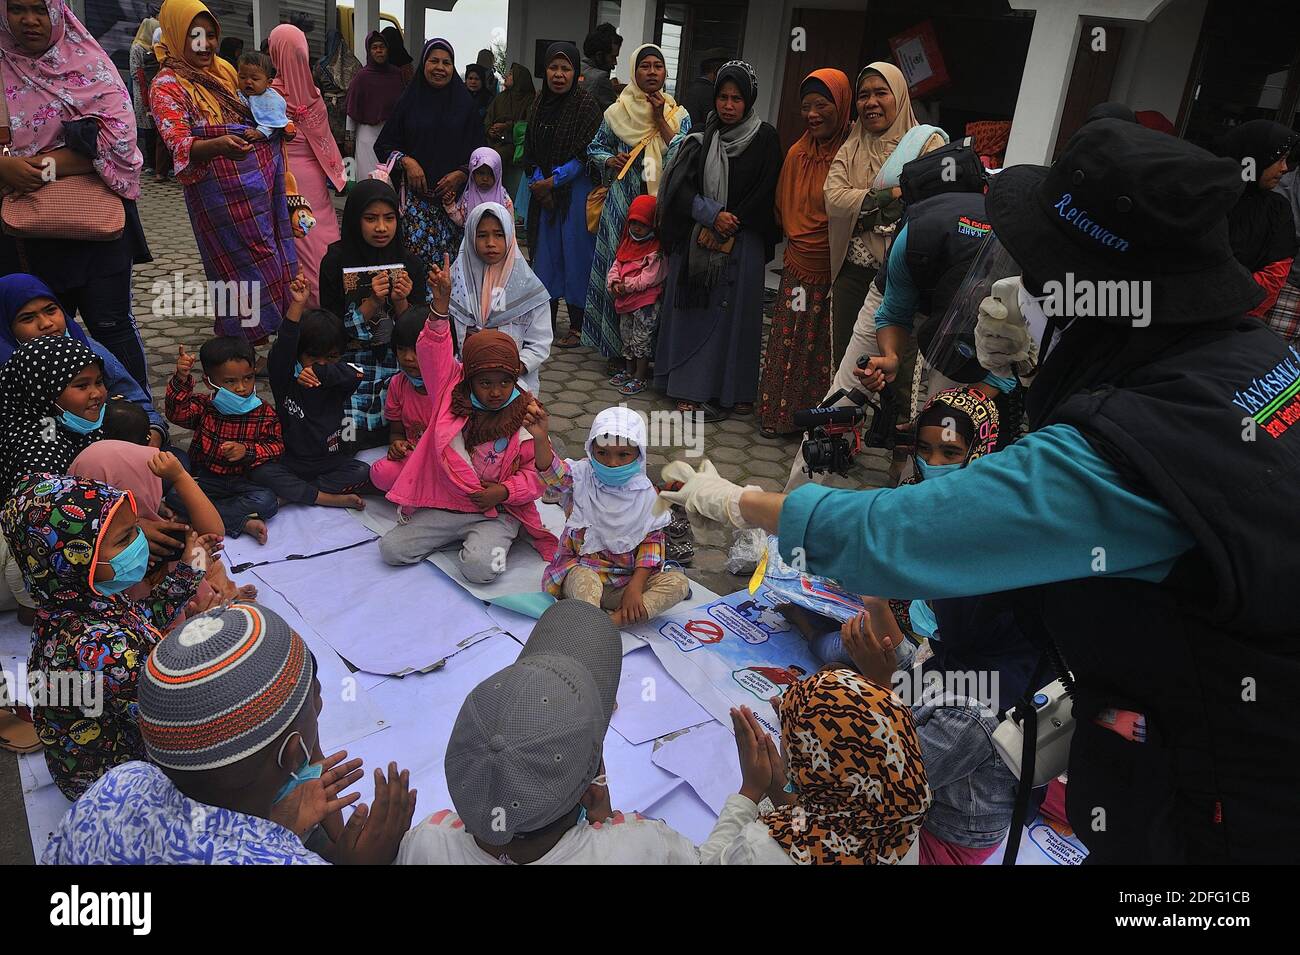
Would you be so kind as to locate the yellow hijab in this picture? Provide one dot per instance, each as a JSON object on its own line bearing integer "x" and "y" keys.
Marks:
{"x": 214, "y": 91}
{"x": 144, "y": 35}
{"x": 632, "y": 119}
{"x": 859, "y": 159}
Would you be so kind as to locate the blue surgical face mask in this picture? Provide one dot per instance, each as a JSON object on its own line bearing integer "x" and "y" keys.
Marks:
{"x": 418, "y": 381}
{"x": 615, "y": 477}
{"x": 930, "y": 471}
{"x": 922, "y": 618}
{"x": 79, "y": 425}
{"x": 297, "y": 368}
{"x": 229, "y": 403}
{"x": 473, "y": 399}
{"x": 128, "y": 566}
{"x": 304, "y": 773}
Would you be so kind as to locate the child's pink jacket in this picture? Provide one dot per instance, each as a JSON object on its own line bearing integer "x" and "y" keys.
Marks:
{"x": 644, "y": 278}
{"x": 438, "y": 473}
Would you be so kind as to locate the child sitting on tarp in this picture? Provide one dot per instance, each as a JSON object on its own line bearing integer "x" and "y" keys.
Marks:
{"x": 525, "y": 762}
{"x": 80, "y": 546}
{"x": 407, "y": 407}
{"x": 851, "y": 789}
{"x": 612, "y": 552}
{"x": 475, "y": 481}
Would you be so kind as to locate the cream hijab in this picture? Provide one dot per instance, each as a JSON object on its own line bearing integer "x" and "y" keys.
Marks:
{"x": 631, "y": 118}
{"x": 856, "y": 164}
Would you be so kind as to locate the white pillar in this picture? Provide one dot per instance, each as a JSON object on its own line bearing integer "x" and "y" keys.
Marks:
{"x": 636, "y": 25}
{"x": 1049, "y": 62}
{"x": 518, "y": 42}
{"x": 365, "y": 19}
{"x": 413, "y": 27}
{"x": 266, "y": 17}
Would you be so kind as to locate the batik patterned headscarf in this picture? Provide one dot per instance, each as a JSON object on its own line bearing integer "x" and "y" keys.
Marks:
{"x": 73, "y": 79}
{"x": 31, "y": 381}
{"x": 852, "y": 751}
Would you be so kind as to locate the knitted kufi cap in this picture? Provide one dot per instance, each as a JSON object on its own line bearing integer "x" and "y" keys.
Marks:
{"x": 222, "y": 687}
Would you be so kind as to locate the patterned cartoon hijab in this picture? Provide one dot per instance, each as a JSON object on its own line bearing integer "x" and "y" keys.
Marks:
{"x": 30, "y": 383}
{"x": 966, "y": 411}
{"x": 852, "y": 751}
{"x": 53, "y": 525}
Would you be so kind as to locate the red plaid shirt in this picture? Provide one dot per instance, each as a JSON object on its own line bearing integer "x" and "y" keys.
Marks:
{"x": 258, "y": 431}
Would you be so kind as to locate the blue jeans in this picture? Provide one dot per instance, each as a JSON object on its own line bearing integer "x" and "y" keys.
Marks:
{"x": 236, "y": 499}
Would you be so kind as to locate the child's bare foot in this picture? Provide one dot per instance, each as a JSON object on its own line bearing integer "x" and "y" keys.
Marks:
{"x": 257, "y": 527}
{"x": 352, "y": 501}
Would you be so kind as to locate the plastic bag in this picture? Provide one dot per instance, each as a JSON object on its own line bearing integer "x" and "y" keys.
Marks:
{"x": 820, "y": 594}
{"x": 747, "y": 547}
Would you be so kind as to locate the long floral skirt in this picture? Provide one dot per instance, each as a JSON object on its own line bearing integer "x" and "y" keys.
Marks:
{"x": 798, "y": 366}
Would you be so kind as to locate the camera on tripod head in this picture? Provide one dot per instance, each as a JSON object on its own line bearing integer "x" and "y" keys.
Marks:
{"x": 836, "y": 433}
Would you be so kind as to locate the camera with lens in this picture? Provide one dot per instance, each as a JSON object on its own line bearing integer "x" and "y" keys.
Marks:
{"x": 837, "y": 432}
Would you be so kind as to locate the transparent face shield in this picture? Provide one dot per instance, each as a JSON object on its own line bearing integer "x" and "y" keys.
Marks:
{"x": 948, "y": 341}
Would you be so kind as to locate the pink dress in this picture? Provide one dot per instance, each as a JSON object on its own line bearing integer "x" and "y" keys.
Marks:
{"x": 307, "y": 170}
{"x": 403, "y": 402}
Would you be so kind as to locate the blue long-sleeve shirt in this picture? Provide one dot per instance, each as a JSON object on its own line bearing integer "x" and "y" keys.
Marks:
{"x": 1046, "y": 509}
{"x": 902, "y": 298}
{"x": 118, "y": 381}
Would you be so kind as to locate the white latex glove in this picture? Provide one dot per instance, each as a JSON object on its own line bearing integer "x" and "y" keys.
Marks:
{"x": 1003, "y": 344}
{"x": 705, "y": 493}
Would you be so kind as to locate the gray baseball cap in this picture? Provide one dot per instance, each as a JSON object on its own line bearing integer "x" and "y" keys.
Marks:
{"x": 528, "y": 740}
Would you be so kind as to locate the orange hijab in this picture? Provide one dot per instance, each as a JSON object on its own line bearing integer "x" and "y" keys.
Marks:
{"x": 800, "y": 205}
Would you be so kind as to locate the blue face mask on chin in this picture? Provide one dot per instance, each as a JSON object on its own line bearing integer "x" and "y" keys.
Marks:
{"x": 79, "y": 425}
{"x": 303, "y": 774}
{"x": 473, "y": 399}
{"x": 128, "y": 566}
{"x": 228, "y": 403}
{"x": 931, "y": 471}
{"x": 615, "y": 477}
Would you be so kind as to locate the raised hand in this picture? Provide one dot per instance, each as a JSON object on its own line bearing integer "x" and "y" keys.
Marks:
{"x": 299, "y": 289}
{"x": 373, "y": 835}
{"x": 184, "y": 363}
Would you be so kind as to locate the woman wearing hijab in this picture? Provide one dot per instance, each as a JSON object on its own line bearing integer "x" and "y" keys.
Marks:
{"x": 142, "y": 49}
{"x": 371, "y": 236}
{"x": 798, "y": 364}
{"x": 1260, "y": 227}
{"x": 561, "y": 124}
{"x": 372, "y": 97}
{"x": 510, "y": 107}
{"x": 234, "y": 189}
{"x": 397, "y": 54}
{"x": 476, "y": 81}
{"x": 434, "y": 128}
{"x": 312, "y": 155}
{"x": 503, "y": 294}
{"x": 852, "y": 757}
{"x": 719, "y": 226}
{"x": 643, "y": 117}
{"x": 862, "y": 211}
{"x": 67, "y": 104}
{"x": 488, "y": 62}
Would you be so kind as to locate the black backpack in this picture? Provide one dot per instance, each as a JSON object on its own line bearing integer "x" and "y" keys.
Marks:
{"x": 953, "y": 167}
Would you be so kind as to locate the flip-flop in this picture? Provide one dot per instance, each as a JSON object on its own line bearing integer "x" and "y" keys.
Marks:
{"x": 17, "y": 735}
{"x": 618, "y": 379}
{"x": 744, "y": 409}
{"x": 573, "y": 341}
{"x": 633, "y": 386}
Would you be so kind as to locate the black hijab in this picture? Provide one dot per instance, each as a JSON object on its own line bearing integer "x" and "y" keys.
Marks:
{"x": 352, "y": 250}
{"x": 438, "y": 128}
{"x": 397, "y": 54}
{"x": 1260, "y": 226}
{"x": 484, "y": 95}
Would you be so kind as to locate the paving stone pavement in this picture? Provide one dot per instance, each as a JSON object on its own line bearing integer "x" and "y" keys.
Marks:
{"x": 574, "y": 388}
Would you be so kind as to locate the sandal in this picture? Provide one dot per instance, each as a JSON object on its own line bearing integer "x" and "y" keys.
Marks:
{"x": 619, "y": 378}
{"x": 633, "y": 386}
{"x": 571, "y": 340}
{"x": 687, "y": 407}
{"x": 769, "y": 434}
{"x": 712, "y": 415}
{"x": 744, "y": 409}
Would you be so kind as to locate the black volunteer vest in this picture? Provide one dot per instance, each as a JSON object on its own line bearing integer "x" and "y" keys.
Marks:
{"x": 943, "y": 235}
{"x": 1212, "y": 654}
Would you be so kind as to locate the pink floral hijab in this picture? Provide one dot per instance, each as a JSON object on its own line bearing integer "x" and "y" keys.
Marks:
{"x": 74, "y": 79}
{"x": 288, "y": 48}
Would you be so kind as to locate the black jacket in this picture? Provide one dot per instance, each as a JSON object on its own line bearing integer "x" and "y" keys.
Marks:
{"x": 310, "y": 418}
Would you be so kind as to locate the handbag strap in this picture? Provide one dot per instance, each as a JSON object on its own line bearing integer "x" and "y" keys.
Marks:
{"x": 631, "y": 157}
